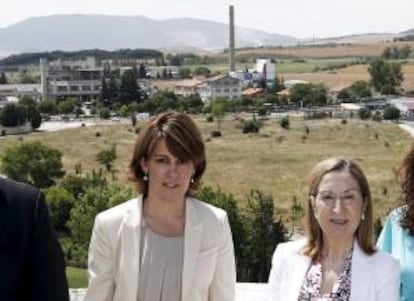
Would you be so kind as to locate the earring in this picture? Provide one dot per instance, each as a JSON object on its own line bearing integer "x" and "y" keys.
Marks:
{"x": 145, "y": 177}
{"x": 363, "y": 216}
{"x": 192, "y": 180}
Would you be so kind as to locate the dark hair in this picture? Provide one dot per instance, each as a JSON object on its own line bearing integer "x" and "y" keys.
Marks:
{"x": 406, "y": 179}
{"x": 364, "y": 232}
{"x": 183, "y": 140}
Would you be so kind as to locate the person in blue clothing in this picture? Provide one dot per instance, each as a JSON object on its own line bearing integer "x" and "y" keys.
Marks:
{"x": 397, "y": 236}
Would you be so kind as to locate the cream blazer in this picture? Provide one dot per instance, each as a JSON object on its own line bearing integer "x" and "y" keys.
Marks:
{"x": 209, "y": 271}
{"x": 374, "y": 278}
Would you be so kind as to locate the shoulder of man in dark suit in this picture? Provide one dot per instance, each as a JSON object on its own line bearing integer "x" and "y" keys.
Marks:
{"x": 30, "y": 230}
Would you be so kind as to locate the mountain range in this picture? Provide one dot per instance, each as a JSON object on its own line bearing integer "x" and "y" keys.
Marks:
{"x": 76, "y": 32}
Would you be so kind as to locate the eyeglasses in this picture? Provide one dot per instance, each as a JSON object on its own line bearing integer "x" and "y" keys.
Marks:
{"x": 348, "y": 198}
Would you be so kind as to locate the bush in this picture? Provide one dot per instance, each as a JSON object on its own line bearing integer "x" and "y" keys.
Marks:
{"x": 60, "y": 201}
{"x": 364, "y": 113}
{"x": 285, "y": 123}
{"x": 263, "y": 235}
{"x": 391, "y": 113}
{"x": 377, "y": 116}
{"x": 33, "y": 163}
{"x": 227, "y": 202}
{"x": 251, "y": 126}
{"x": 215, "y": 134}
{"x": 104, "y": 113}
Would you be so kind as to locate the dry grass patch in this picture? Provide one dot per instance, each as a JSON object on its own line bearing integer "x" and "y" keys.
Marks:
{"x": 276, "y": 161}
{"x": 348, "y": 75}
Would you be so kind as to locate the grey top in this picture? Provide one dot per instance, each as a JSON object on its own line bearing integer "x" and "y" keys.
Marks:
{"x": 161, "y": 266}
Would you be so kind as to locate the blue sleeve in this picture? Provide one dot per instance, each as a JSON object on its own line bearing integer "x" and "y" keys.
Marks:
{"x": 384, "y": 241}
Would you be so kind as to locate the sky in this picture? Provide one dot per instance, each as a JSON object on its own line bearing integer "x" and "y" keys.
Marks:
{"x": 298, "y": 18}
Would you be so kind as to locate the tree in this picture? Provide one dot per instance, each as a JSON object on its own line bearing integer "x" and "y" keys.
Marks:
{"x": 164, "y": 73}
{"x": 94, "y": 200}
{"x": 184, "y": 72}
{"x": 105, "y": 93}
{"x": 190, "y": 104}
{"x": 386, "y": 77}
{"x": 405, "y": 52}
{"x": 48, "y": 106}
{"x": 60, "y": 201}
{"x": 67, "y": 106}
{"x": 227, "y": 202}
{"x": 33, "y": 112}
{"x": 309, "y": 94}
{"x": 142, "y": 72}
{"x": 218, "y": 109}
{"x": 33, "y": 163}
{"x": 104, "y": 113}
{"x": 263, "y": 235}
{"x": 13, "y": 115}
{"x": 364, "y": 113}
{"x": 204, "y": 71}
{"x": 391, "y": 113}
{"x": 360, "y": 89}
{"x": 129, "y": 90}
{"x": 344, "y": 95}
{"x": 107, "y": 156}
{"x": 3, "y": 78}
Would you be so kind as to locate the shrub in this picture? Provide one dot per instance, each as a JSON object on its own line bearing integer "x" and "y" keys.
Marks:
{"x": 285, "y": 123}
{"x": 391, "y": 113}
{"x": 251, "y": 126}
{"x": 263, "y": 234}
{"x": 215, "y": 134}
{"x": 377, "y": 116}
{"x": 60, "y": 201}
{"x": 364, "y": 113}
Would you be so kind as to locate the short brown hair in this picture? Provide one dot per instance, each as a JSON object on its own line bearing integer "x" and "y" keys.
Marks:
{"x": 364, "y": 232}
{"x": 183, "y": 140}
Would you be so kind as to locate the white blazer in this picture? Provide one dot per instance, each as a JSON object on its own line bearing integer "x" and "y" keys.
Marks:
{"x": 374, "y": 278}
{"x": 209, "y": 271}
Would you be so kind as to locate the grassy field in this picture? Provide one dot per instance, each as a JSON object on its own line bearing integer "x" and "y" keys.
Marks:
{"x": 347, "y": 75}
{"x": 275, "y": 161}
{"x": 317, "y": 51}
{"x": 77, "y": 278}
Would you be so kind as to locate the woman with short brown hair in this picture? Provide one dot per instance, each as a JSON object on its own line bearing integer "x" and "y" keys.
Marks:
{"x": 163, "y": 245}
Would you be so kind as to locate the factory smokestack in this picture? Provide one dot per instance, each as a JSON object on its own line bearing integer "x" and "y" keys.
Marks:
{"x": 231, "y": 39}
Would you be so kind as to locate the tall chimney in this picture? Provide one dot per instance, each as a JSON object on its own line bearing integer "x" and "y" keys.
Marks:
{"x": 231, "y": 39}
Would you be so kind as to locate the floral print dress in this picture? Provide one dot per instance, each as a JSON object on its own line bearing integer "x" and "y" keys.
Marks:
{"x": 341, "y": 289}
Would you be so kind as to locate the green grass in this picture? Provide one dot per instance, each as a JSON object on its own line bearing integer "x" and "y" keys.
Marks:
{"x": 77, "y": 278}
